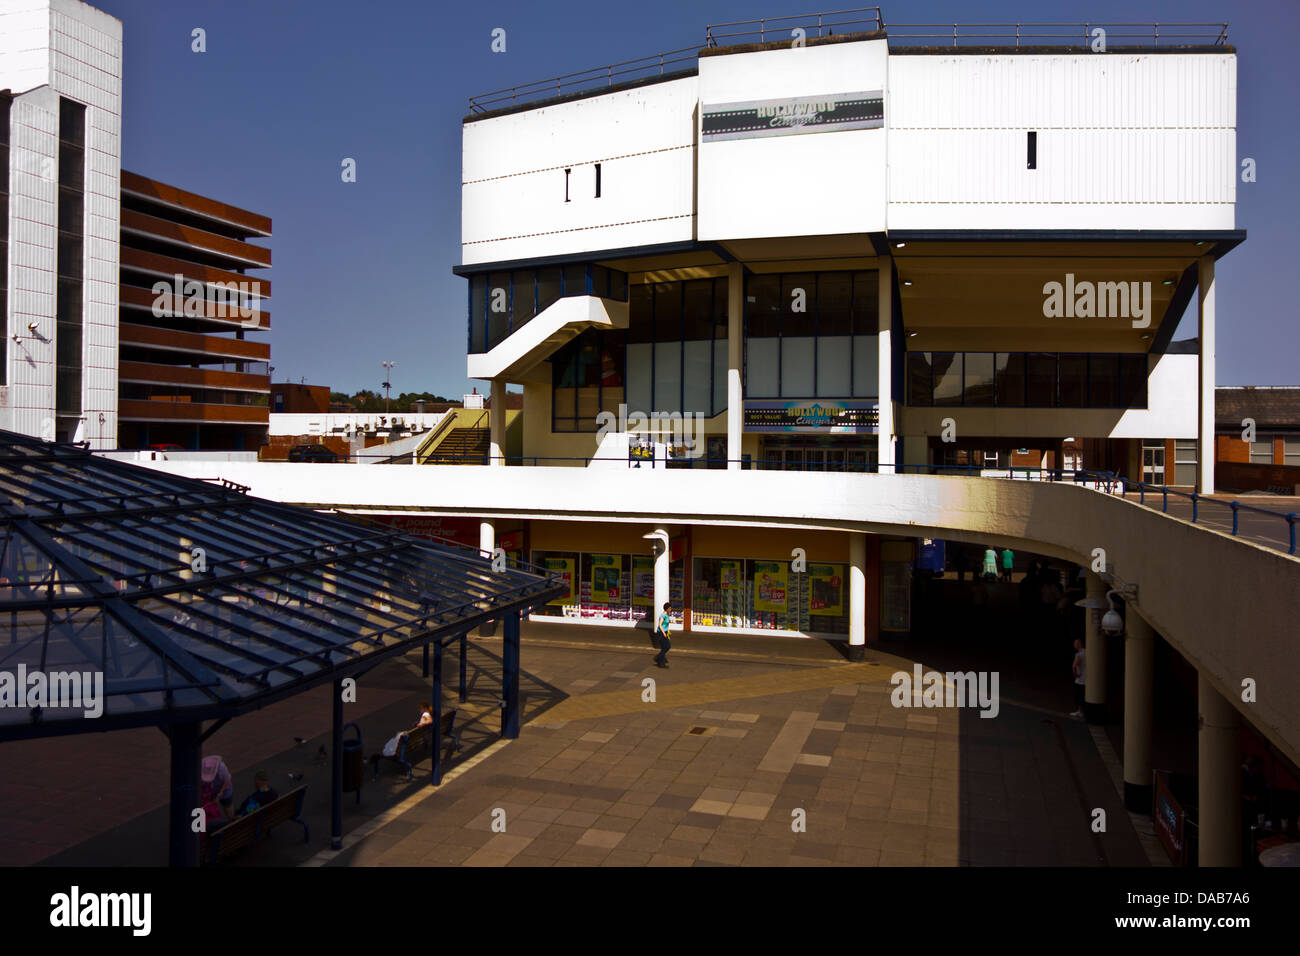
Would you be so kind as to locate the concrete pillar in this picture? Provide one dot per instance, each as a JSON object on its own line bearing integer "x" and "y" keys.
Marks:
{"x": 663, "y": 560}
{"x": 487, "y": 543}
{"x": 1139, "y": 688}
{"x": 885, "y": 368}
{"x": 735, "y": 361}
{"x": 1094, "y": 706}
{"x": 857, "y": 595}
{"x": 497, "y": 424}
{"x": 1218, "y": 778}
{"x": 1205, "y": 377}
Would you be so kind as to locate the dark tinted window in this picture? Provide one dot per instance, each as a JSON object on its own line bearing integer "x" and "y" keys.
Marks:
{"x": 1011, "y": 379}
{"x": 1072, "y": 391}
{"x": 762, "y": 306}
{"x": 548, "y": 287}
{"x": 947, "y": 378}
{"x": 1103, "y": 381}
{"x": 979, "y": 378}
{"x": 918, "y": 378}
{"x": 1133, "y": 381}
{"x": 1040, "y": 379}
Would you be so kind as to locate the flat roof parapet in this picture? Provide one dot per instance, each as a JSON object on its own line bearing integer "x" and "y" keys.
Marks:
{"x": 865, "y": 23}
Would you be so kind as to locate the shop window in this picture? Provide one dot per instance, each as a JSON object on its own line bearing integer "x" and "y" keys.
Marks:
{"x": 1261, "y": 452}
{"x": 1291, "y": 451}
{"x": 767, "y": 595}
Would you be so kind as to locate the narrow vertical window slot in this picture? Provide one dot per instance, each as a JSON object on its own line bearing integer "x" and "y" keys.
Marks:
{"x": 598, "y": 180}
{"x": 566, "y": 184}
{"x": 1033, "y": 149}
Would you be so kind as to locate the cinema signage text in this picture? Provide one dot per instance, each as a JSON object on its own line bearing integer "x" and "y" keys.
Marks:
{"x": 802, "y": 114}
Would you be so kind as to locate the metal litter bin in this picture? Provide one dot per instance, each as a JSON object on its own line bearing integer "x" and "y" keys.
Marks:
{"x": 353, "y": 761}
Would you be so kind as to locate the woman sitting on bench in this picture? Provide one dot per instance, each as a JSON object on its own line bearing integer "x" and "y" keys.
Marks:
{"x": 391, "y": 748}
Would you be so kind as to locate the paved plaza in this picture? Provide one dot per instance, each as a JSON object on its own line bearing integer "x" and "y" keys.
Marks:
{"x": 754, "y": 751}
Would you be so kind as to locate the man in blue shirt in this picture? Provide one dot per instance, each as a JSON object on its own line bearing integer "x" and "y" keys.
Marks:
{"x": 261, "y": 795}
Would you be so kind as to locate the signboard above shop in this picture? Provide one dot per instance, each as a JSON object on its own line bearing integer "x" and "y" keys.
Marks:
{"x": 813, "y": 415}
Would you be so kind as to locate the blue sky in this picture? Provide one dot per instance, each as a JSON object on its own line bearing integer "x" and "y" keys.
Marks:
{"x": 362, "y": 271}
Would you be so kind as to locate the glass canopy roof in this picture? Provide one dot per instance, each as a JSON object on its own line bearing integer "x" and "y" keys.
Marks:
{"x": 195, "y": 601}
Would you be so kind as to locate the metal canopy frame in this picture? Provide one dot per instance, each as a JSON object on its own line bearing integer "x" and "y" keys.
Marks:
{"x": 196, "y": 602}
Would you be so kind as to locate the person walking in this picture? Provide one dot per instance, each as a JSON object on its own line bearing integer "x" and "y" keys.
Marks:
{"x": 661, "y": 628}
{"x": 1079, "y": 668}
{"x": 959, "y": 564}
{"x": 990, "y": 564}
{"x": 1008, "y": 563}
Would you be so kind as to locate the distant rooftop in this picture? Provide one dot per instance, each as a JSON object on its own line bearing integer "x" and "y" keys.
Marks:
{"x": 1271, "y": 406}
{"x": 861, "y": 23}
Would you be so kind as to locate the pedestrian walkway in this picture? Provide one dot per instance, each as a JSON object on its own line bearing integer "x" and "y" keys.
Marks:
{"x": 752, "y": 751}
{"x": 783, "y": 764}
{"x": 1266, "y": 530}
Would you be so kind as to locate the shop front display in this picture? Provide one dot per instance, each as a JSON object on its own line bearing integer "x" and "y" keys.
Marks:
{"x": 769, "y": 596}
{"x": 607, "y": 587}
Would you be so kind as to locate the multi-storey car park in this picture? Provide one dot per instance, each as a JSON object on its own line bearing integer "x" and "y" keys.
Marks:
{"x": 786, "y": 307}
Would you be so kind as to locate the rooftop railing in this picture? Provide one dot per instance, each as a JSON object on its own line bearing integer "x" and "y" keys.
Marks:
{"x": 860, "y": 20}
{"x": 656, "y": 64}
{"x": 1082, "y": 35}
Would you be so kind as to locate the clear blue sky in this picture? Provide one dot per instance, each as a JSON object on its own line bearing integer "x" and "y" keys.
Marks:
{"x": 362, "y": 271}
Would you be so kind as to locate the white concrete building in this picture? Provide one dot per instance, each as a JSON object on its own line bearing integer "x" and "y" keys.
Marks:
{"x": 60, "y": 95}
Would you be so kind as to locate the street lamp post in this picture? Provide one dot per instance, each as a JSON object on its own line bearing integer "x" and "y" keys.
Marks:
{"x": 388, "y": 366}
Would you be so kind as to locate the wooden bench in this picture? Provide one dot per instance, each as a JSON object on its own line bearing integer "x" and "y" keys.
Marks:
{"x": 414, "y": 745}
{"x": 240, "y": 832}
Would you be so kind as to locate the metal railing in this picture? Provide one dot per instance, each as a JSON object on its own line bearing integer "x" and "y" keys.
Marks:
{"x": 1057, "y": 34}
{"x": 859, "y": 20}
{"x": 584, "y": 80}
{"x": 1104, "y": 481}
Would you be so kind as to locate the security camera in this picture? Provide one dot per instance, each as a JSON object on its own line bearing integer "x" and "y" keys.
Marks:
{"x": 1112, "y": 623}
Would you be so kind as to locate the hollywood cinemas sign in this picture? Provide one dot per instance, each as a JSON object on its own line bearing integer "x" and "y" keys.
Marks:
{"x": 801, "y": 114}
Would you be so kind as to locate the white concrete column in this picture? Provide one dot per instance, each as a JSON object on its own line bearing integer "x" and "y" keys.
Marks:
{"x": 1218, "y": 778}
{"x": 735, "y": 361}
{"x": 497, "y": 423}
{"x": 857, "y": 595}
{"x": 1139, "y": 688}
{"x": 662, "y": 552}
{"x": 1094, "y": 698}
{"x": 487, "y": 542}
{"x": 885, "y": 367}
{"x": 1205, "y": 376}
